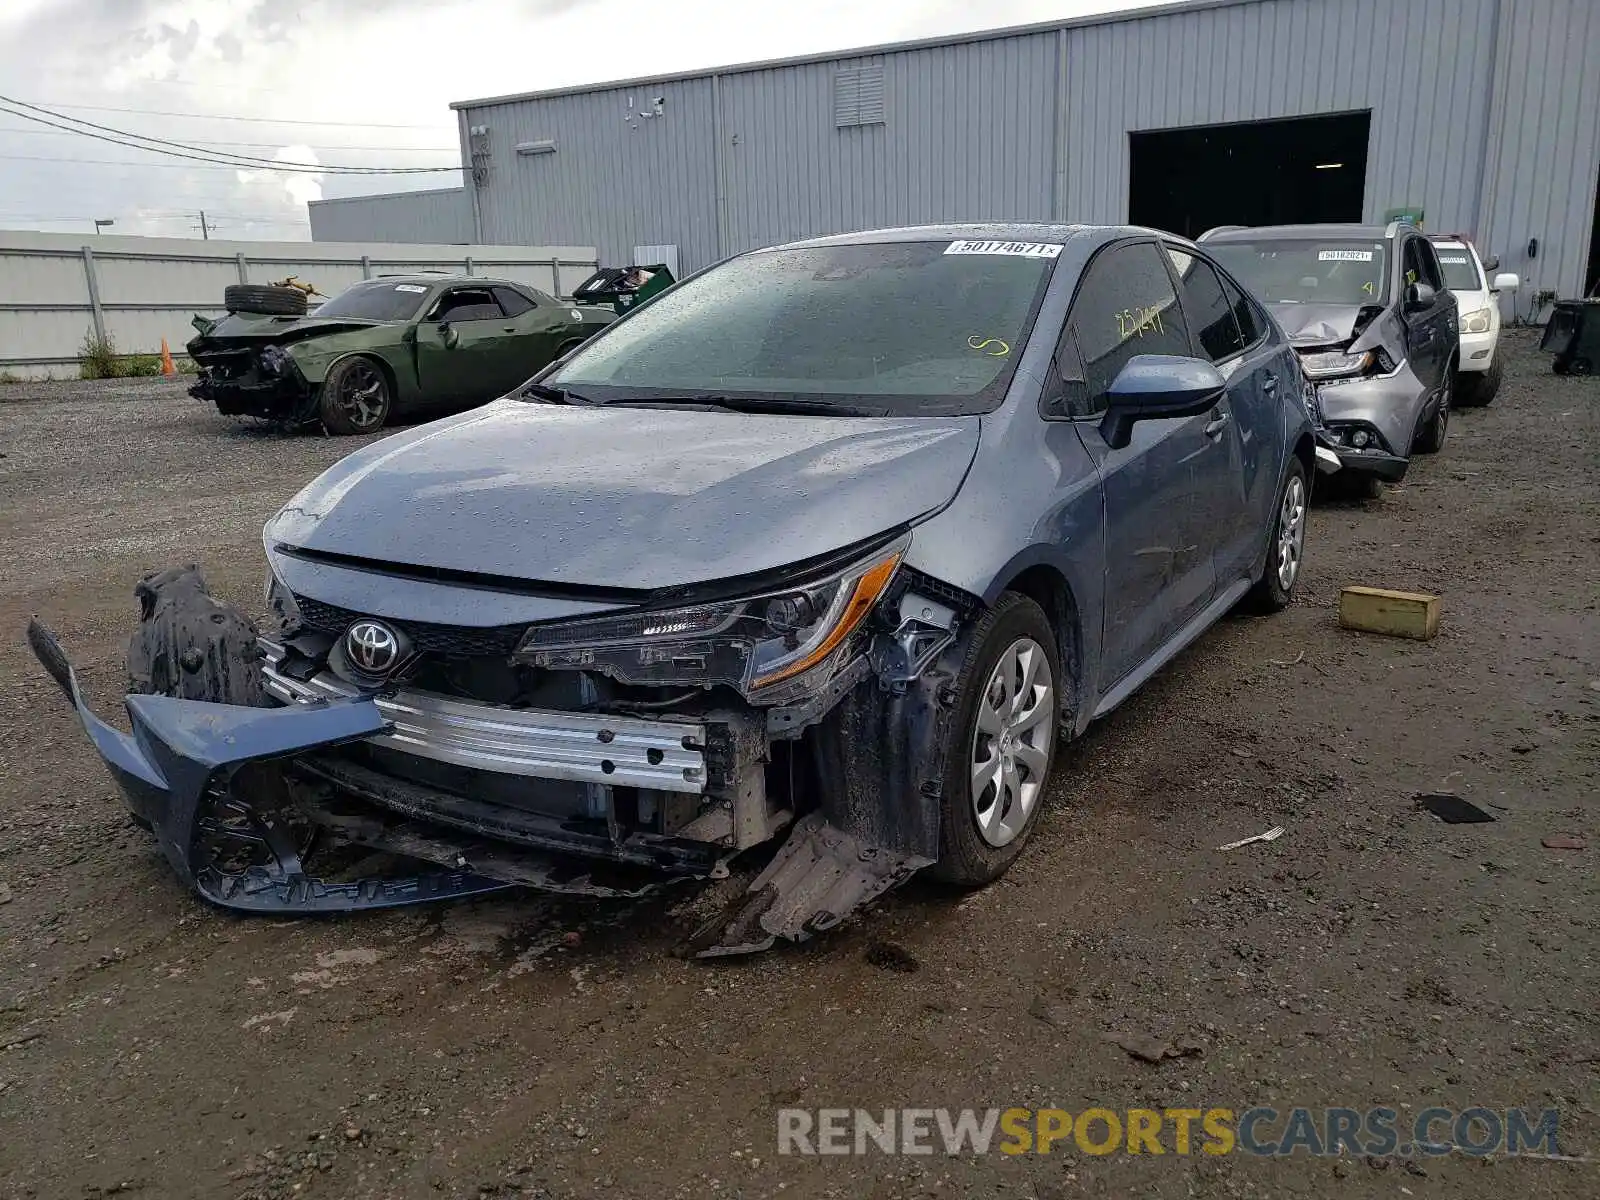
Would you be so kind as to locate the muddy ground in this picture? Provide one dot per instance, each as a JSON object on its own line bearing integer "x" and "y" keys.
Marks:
{"x": 1372, "y": 955}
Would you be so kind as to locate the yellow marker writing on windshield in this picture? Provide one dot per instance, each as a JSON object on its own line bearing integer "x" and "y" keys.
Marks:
{"x": 1000, "y": 349}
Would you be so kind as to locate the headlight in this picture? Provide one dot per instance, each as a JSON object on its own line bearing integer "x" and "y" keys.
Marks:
{"x": 274, "y": 360}
{"x": 754, "y": 643}
{"x": 1332, "y": 364}
{"x": 1476, "y": 321}
{"x": 280, "y": 603}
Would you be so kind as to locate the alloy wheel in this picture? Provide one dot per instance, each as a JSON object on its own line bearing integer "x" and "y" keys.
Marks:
{"x": 1291, "y": 532}
{"x": 1011, "y": 741}
{"x": 361, "y": 395}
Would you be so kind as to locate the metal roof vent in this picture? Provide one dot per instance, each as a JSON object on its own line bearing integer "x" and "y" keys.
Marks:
{"x": 542, "y": 146}
{"x": 858, "y": 96}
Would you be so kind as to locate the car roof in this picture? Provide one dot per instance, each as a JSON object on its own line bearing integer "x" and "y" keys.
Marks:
{"x": 1329, "y": 231}
{"x": 434, "y": 277}
{"x": 998, "y": 231}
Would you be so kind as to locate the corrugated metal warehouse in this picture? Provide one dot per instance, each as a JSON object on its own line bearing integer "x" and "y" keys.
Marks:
{"x": 1482, "y": 114}
{"x": 437, "y": 216}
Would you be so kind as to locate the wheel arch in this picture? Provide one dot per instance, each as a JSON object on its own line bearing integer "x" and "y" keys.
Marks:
{"x": 1046, "y": 584}
{"x": 385, "y": 368}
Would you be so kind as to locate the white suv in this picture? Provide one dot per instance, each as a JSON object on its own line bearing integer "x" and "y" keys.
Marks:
{"x": 1466, "y": 275}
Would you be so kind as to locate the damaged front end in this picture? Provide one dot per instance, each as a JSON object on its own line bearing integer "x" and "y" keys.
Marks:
{"x": 251, "y": 381}
{"x": 247, "y": 366}
{"x": 1363, "y": 398}
{"x": 606, "y": 756}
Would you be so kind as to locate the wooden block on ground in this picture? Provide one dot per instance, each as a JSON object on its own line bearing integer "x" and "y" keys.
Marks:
{"x": 1398, "y": 614}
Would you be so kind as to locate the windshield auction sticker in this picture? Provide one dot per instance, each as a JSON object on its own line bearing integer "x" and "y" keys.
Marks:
{"x": 1007, "y": 249}
{"x": 1344, "y": 255}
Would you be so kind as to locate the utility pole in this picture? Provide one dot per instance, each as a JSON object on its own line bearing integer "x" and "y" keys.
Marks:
{"x": 205, "y": 230}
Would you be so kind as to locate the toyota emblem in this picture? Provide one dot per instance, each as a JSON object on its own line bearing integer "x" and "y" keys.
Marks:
{"x": 372, "y": 647}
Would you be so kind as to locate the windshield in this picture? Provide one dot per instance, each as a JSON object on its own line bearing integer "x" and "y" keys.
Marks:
{"x": 895, "y": 327}
{"x": 1282, "y": 271}
{"x": 376, "y": 300}
{"x": 1460, "y": 272}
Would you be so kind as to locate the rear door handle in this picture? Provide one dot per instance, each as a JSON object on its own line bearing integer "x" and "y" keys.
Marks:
{"x": 1269, "y": 384}
{"x": 1217, "y": 425}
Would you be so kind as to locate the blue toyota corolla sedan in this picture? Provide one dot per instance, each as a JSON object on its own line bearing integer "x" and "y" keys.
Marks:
{"x": 835, "y": 540}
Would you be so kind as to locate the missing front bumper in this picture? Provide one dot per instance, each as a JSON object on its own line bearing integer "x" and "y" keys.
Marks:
{"x": 284, "y": 399}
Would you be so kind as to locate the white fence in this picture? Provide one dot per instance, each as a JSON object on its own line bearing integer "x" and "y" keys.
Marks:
{"x": 56, "y": 289}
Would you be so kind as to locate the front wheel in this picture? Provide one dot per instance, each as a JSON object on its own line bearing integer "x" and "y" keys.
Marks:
{"x": 1479, "y": 387}
{"x": 1275, "y": 588}
{"x": 1007, "y": 711}
{"x": 355, "y": 397}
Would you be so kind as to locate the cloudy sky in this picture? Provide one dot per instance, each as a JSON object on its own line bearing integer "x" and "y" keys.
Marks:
{"x": 353, "y": 82}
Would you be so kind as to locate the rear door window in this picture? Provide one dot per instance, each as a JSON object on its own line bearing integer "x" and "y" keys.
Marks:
{"x": 1205, "y": 306}
{"x": 1252, "y": 324}
{"x": 512, "y": 302}
{"x": 467, "y": 304}
{"x": 1125, "y": 306}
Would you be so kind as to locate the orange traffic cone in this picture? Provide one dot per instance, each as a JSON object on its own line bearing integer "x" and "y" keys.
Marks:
{"x": 166, "y": 360}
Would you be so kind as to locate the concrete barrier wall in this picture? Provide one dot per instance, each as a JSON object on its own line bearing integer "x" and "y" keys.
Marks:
{"x": 57, "y": 289}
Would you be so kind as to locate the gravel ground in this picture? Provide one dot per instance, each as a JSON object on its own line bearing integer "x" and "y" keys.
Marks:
{"x": 1372, "y": 955}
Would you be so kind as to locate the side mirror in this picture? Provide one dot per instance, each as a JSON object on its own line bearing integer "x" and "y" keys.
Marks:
{"x": 450, "y": 336}
{"x": 1506, "y": 281}
{"x": 1418, "y": 297}
{"x": 1492, "y": 263}
{"x": 1156, "y": 386}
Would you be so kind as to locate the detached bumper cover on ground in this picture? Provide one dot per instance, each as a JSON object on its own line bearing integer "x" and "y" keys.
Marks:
{"x": 178, "y": 772}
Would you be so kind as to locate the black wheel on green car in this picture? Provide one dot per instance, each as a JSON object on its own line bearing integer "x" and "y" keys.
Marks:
{"x": 1008, "y": 709}
{"x": 355, "y": 397}
{"x": 1476, "y": 389}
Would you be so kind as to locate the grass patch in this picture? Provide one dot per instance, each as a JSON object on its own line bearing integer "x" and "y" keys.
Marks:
{"x": 9, "y": 377}
{"x": 98, "y": 359}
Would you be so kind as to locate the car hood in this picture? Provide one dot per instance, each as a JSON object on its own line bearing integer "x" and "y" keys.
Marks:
{"x": 238, "y": 329}
{"x": 1309, "y": 325}
{"x": 634, "y": 498}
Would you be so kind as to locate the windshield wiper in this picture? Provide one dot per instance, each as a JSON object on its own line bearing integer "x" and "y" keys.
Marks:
{"x": 554, "y": 395}
{"x": 748, "y": 404}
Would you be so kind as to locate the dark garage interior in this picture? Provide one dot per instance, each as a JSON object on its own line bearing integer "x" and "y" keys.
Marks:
{"x": 1250, "y": 173}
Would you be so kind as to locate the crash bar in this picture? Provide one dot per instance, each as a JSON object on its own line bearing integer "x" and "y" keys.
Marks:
{"x": 617, "y": 751}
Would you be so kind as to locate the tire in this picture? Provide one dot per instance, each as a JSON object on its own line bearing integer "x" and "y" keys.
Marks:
{"x": 1286, "y": 551}
{"x": 1480, "y": 387}
{"x": 1364, "y": 487}
{"x": 1013, "y": 639}
{"x": 1430, "y": 436}
{"x": 355, "y": 397}
{"x": 264, "y": 299}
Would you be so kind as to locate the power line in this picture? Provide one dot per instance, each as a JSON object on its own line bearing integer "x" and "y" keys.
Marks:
{"x": 120, "y": 137}
{"x": 4, "y": 129}
{"x": 156, "y": 112}
{"x": 171, "y": 166}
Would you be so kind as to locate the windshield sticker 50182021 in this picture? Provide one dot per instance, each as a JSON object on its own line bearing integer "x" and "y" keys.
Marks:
{"x": 1010, "y": 249}
{"x": 1344, "y": 255}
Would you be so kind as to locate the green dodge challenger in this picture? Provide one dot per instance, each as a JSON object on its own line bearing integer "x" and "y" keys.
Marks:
{"x": 398, "y": 345}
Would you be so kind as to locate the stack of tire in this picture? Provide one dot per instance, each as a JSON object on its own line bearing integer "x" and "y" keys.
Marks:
{"x": 264, "y": 299}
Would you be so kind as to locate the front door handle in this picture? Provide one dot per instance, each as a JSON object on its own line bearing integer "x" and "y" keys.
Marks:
{"x": 1217, "y": 425}
{"x": 1269, "y": 384}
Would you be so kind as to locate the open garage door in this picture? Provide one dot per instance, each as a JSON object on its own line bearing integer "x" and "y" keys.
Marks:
{"x": 1253, "y": 173}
